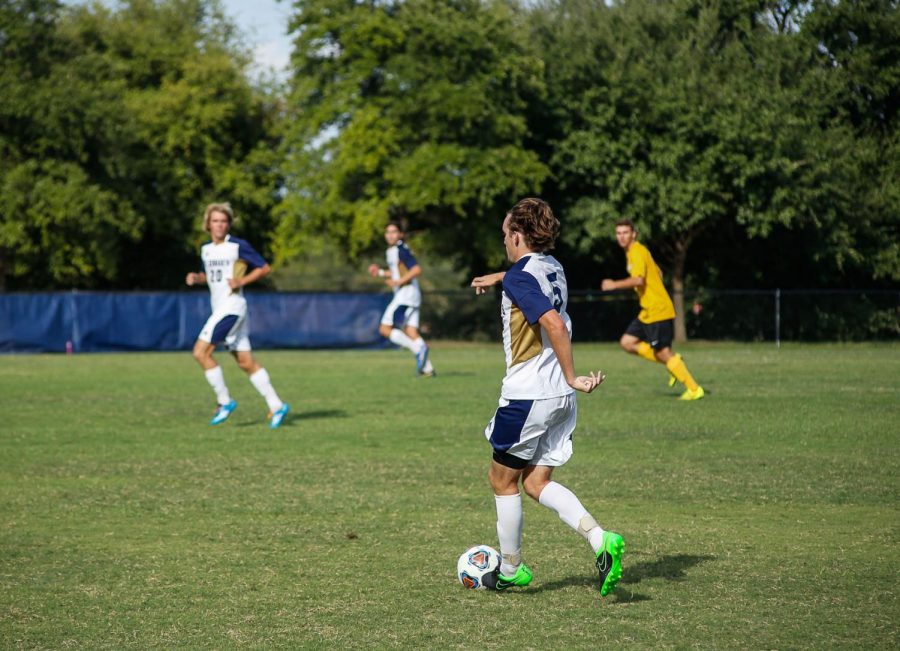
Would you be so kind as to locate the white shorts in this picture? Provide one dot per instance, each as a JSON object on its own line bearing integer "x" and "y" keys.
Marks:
{"x": 398, "y": 315}
{"x": 533, "y": 432}
{"x": 228, "y": 326}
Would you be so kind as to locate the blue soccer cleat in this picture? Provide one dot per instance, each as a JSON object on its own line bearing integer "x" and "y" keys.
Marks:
{"x": 421, "y": 359}
{"x": 223, "y": 412}
{"x": 278, "y": 416}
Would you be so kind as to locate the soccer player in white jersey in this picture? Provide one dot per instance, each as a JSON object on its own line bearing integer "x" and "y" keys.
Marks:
{"x": 531, "y": 431}
{"x": 400, "y": 321}
{"x": 228, "y": 265}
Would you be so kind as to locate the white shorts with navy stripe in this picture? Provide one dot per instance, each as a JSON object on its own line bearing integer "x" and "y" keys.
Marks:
{"x": 536, "y": 431}
{"x": 399, "y": 315}
{"x": 228, "y": 326}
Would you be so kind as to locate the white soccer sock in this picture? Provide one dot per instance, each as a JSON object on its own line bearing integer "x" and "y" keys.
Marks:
{"x": 509, "y": 531}
{"x": 557, "y": 497}
{"x": 216, "y": 380}
{"x": 401, "y": 339}
{"x": 417, "y": 344}
{"x": 261, "y": 381}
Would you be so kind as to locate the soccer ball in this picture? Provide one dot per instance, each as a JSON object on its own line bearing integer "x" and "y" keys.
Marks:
{"x": 475, "y": 563}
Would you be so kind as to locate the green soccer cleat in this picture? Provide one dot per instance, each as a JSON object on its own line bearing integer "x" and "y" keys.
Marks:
{"x": 496, "y": 581}
{"x": 609, "y": 561}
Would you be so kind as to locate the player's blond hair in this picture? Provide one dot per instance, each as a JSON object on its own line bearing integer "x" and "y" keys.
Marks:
{"x": 224, "y": 208}
{"x": 536, "y": 222}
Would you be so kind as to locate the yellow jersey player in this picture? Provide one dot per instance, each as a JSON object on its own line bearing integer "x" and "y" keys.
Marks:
{"x": 650, "y": 334}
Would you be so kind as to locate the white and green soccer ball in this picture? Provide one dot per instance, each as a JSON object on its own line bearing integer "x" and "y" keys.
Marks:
{"x": 474, "y": 563}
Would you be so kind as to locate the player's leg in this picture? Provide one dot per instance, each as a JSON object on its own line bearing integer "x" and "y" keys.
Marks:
{"x": 662, "y": 335}
{"x": 213, "y": 332}
{"x": 505, "y": 434}
{"x": 554, "y": 449}
{"x": 635, "y": 339}
{"x": 259, "y": 378}
{"x": 411, "y": 329}
{"x": 392, "y": 322}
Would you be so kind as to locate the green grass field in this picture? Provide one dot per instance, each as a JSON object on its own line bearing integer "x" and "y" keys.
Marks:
{"x": 763, "y": 517}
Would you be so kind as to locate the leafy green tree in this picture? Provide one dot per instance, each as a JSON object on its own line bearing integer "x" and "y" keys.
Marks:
{"x": 116, "y": 127}
{"x": 695, "y": 117}
{"x": 411, "y": 110}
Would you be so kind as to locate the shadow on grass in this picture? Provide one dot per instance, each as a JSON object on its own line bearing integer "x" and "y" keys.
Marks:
{"x": 293, "y": 417}
{"x": 671, "y": 568}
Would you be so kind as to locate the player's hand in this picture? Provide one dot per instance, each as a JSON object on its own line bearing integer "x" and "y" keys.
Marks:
{"x": 191, "y": 278}
{"x": 587, "y": 383}
{"x": 373, "y": 270}
{"x": 235, "y": 283}
{"x": 390, "y": 282}
{"x": 481, "y": 283}
{"x": 607, "y": 285}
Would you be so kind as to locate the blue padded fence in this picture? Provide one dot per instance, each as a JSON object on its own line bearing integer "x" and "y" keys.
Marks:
{"x": 123, "y": 321}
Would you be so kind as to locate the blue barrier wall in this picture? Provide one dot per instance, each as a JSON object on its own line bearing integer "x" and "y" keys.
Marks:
{"x": 121, "y": 321}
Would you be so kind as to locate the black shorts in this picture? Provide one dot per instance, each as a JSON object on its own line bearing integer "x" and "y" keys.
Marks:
{"x": 658, "y": 334}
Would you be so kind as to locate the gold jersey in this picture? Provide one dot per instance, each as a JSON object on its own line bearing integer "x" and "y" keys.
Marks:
{"x": 655, "y": 302}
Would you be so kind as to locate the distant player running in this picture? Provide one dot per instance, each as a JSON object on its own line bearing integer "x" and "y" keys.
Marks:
{"x": 650, "y": 334}
{"x": 400, "y": 322}
{"x": 228, "y": 265}
{"x": 531, "y": 431}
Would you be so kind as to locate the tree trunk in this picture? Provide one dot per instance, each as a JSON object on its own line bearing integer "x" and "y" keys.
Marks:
{"x": 679, "y": 255}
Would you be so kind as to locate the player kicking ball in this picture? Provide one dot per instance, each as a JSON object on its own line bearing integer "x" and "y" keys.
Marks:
{"x": 531, "y": 431}
{"x": 228, "y": 265}
{"x": 400, "y": 321}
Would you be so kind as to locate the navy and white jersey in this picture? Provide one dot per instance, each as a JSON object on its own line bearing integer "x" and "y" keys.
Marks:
{"x": 233, "y": 258}
{"x": 400, "y": 260}
{"x": 533, "y": 286}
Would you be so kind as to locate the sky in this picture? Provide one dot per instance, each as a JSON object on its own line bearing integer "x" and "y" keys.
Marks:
{"x": 264, "y": 22}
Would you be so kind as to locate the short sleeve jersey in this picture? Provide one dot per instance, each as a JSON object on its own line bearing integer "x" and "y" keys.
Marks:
{"x": 233, "y": 258}
{"x": 655, "y": 302}
{"x": 534, "y": 285}
{"x": 400, "y": 260}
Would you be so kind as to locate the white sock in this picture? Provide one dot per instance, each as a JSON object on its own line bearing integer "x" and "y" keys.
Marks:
{"x": 417, "y": 345}
{"x": 261, "y": 381}
{"x": 401, "y": 339}
{"x": 558, "y": 498}
{"x": 216, "y": 380}
{"x": 509, "y": 531}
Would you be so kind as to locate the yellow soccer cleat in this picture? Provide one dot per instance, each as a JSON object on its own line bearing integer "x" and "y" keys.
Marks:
{"x": 693, "y": 395}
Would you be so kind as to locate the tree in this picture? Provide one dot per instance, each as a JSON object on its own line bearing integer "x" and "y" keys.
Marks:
{"x": 695, "y": 119}
{"x": 116, "y": 127}
{"x": 409, "y": 110}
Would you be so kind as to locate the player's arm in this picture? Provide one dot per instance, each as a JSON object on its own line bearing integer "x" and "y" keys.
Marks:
{"x": 406, "y": 278}
{"x": 251, "y": 277}
{"x": 481, "y": 283}
{"x": 195, "y": 278}
{"x": 558, "y": 334}
{"x": 631, "y": 282}
{"x": 377, "y": 272}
